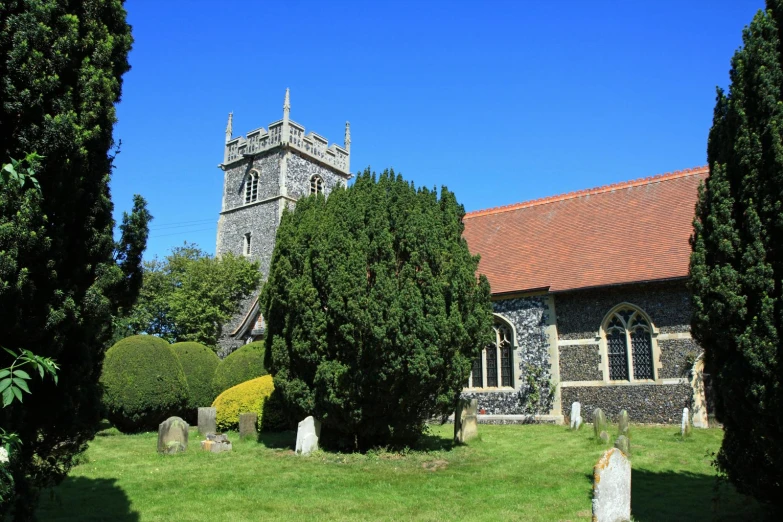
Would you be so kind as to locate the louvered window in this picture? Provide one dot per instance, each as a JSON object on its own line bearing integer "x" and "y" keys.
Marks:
{"x": 629, "y": 346}
{"x": 316, "y": 185}
{"x": 251, "y": 187}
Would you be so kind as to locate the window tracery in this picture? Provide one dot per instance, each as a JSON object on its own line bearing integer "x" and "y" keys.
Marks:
{"x": 251, "y": 187}
{"x": 316, "y": 184}
{"x": 629, "y": 345}
{"x": 494, "y": 367}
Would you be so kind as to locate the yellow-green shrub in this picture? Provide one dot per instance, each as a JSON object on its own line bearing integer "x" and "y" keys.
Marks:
{"x": 247, "y": 397}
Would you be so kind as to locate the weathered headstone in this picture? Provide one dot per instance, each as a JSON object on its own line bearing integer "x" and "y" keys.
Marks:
{"x": 623, "y": 444}
{"x": 686, "y": 427}
{"x": 172, "y": 436}
{"x": 624, "y": 424}
{"x": 604, "y": 436}
{"x": 612, "y": 488}
{"x": 247, "y": 425}
{"x": 465, "y": 423}
{"x": 599, "y": 422}
{"x": 576, "y": 416}
{"x": 207, "y": 422}
{"x": 307, "y": 436}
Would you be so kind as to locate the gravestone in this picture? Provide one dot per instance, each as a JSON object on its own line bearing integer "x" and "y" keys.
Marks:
{"x": 686, "y": 427}
{"x": 207, "y": 421}
{"x": 216, "y": 443}
{"x": 604, "y": 436}
{"x": 623, "y": 444}
{"x": 247, "y": 425}
{"x": 612, "y": 488}
{"x": 465, "y": 424}
{"x": 624, "y": 424}
{"x": 576, "y": 416}
{"x": 307, "y": 436}
{"x": 599, "y": 422}
{"x": 172, "y": 436}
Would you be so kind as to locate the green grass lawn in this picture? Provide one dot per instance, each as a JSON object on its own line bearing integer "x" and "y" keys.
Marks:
{"x": 533, "y": 472}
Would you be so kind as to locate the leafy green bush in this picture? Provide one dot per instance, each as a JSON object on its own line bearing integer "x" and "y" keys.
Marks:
{"x": 247, "y": 397}
{"x": 240, "y": 366}
{"x": 199, "y": 364}
{"x": 143, "y": 383}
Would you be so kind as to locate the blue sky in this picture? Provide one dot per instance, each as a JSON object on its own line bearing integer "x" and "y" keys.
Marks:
{"x": 500, "y": 101}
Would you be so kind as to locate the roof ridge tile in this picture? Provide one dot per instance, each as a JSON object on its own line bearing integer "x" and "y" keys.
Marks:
{"x": 589, "y": 192}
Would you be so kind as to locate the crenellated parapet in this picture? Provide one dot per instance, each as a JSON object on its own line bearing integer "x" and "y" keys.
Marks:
{"x": 289, "y": 134}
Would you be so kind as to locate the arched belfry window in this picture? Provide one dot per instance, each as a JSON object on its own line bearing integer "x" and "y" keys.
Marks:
{"x": 251, "y": 187}
{"x": 629, "y": 345}
{"x": 494, "y": 367}
{"x": 316, "y": 185}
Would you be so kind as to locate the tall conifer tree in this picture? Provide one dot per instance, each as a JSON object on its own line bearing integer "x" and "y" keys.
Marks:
{"x": 374, "y": 311}
{"x": 737, "y": 261}
{"x": 62, "y": 276}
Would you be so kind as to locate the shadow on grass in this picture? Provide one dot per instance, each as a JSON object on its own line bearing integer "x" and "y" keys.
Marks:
{"x": 429, "y": 442}
{"x": 84, "y": 499}
{"x": 278, "y": 439}
{"x": 670, "y": 495}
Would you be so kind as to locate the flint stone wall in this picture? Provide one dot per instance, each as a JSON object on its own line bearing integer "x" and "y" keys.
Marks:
{"x": 579, "y": 314}
{"x": 646, "y": 403}
{"x": 677, "y": 357}
{"x": 528, "y": 316}
{"x": 580, "y": 363}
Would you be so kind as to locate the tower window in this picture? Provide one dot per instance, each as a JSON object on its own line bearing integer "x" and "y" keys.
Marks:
{"x": 629, "y": 346}
{"x": 247, "y": 247}
{"x": 251, "y": 187}
{"x": 316, "y": 185}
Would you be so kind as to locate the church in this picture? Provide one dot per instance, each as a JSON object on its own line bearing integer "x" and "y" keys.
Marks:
{"x": 588, "y": 288}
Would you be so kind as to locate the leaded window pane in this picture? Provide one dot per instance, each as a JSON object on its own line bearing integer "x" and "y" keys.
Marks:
{"x": 505, "y": 365}
{"x": 478, "y": 377}
{"x": 618, "y": 355}
{"x": 492, "y": 366}
{"x": 641, "y": 348}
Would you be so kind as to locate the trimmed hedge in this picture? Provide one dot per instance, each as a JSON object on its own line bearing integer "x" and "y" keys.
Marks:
{"x": 247, "y": 397}
{"x": 241, "y": 365}
{"x": 143, "y": 383}
{"x": 199, "y": 364}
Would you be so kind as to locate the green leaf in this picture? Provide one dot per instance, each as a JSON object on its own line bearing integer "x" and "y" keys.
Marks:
{"x": 21, "y": 384}
{"x": 11, "y": 352}
{"x": 8, "y": 396}
{"x": 17, "y": 393}
{"x": 21, "y": 373}
{"x": 5, "y": 383}
{"x": 5, "y": 373}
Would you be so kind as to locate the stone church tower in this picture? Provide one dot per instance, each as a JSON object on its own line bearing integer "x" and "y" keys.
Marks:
{"x": 263, "y": 173}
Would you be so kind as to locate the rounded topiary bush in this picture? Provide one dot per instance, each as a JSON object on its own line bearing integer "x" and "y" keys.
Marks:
{"x": 143, "y": 383}
{"x": 241, "y": 365}
{"x": 199, "y": 364}
{"x": 247, "y": 397}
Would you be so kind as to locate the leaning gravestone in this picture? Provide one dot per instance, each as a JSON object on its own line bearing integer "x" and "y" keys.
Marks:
{"x": 624, "y": 424}
{"x": 686, "y": 428}
{"x": 465, "y": 423}
{"x": 576, "y": 416}
{"x": 172, "y": 436}
{"x": 207, "y": 420}
{"x": 599, "y": 423}
{"x": 612, "y": 488}
{"x": 307, "y": 436}
{"x": 623, "y": 444}
{"x": 247, "y": 425}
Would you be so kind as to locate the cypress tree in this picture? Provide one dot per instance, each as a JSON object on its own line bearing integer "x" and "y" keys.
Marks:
{"x": 62, "y": 276}
{"x": 737, "y": 262}
{"x": 374, "y": 311}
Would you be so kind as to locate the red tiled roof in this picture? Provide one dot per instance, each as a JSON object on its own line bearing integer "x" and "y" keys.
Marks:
{"x": 623, "y": 233}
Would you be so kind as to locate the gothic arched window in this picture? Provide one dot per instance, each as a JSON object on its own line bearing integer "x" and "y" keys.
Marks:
{"x": 251, "y": 187}
{"x": 494, "y": 367}
{"x": 316, "y": 185}
{"x": 247, "y": 246}
{"x": 629, "y": 345}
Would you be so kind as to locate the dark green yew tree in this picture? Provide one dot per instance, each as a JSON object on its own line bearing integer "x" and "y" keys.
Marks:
{"x": 62, "y": 276}
{"x": 737, "y": 262}
{"x": 374, "y": 310}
